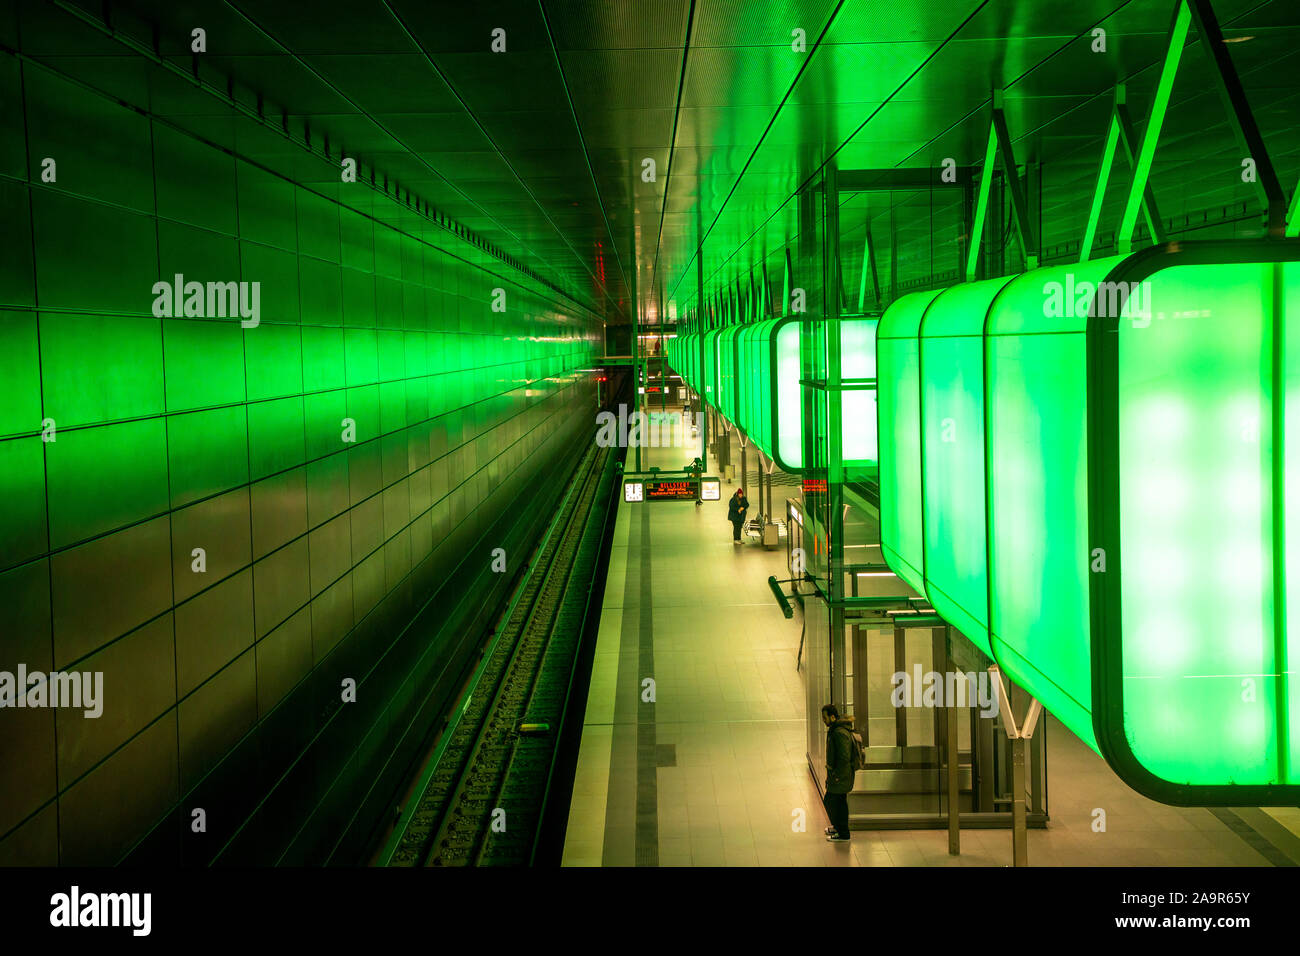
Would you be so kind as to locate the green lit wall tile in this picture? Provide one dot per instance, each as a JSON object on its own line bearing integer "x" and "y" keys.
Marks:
{"x": 415, "y": 359}
{"x": 17, "y": 278}
{"x": 179, "y": 163}
{"x": 93, "y": 257}
{"x": 106, "y": 477}
{"x": 108, "y": 586}
{"x": 358, "y": 241}
{"x": 397, "y": 558}
{"x": 22, "y": 489}
{"x": 318, "y": 226}
{"x": 388, "y": 303}
{"x": 323, "y": 416}
{"x": 320, "y": 292}
{"x": 392, "y": 406}
{"x": 279, "y": 585}
{"x": 196, "y": 254}
{"x": 394, "y": 461}
{"x": 388, "y": 253}
{"x": 267, "y": 208}
{"x": 276, "y": 272}
{"x": 283, "y": 659}
{"x": 139, "y": 782}
{"x": 322, "y": 358}
{"x": 358, "y": 299}
{"x": 212, "y": 719}
{"x": 20, "y": 370}
{"x": 273, "y": 361}
{"x": 327, "y": 488}
{"x": 142, "y": 661}
{"x": 392, "y": 355}
{"x": 362, "y": 356}
{"x": 96, "y": 144}
{"x": 13, "y": 143}
{"x": 331, "y": 552}
{"x": 208, "y": 453}
{"x": 276, "y": 436}
{"x": 412, "y": 260}
{"x": 220, "y": 526}
{"x": 417, "y": 400}
{"x": 204, "y": 363}
{"x": 365, "y": 473}
{"x": 212, "y": 629}
{"x": 366, "y": 524}
{"x": 368, "y": 584}
{"x": 414, "y": 306}
{"x": 98, "y": 368}
{"x": 363, "y": 409}
{"x": 397, "y": 508}
{"x": 279, "y": 510}
{"x": 331, "y": 616}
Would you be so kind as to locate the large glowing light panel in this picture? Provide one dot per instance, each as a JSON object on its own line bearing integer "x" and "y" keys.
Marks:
{"x": 1084, "y": 469}
{"x": 751, "y": 375}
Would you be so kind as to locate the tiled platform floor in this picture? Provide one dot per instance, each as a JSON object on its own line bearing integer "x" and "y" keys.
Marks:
{"x": 725, "y": 735}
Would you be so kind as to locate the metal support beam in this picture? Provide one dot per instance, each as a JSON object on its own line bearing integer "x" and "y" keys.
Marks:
{"x": 1293, "y": 216}
{"x": 1128, "y": 140}
{"x": 1240, "y": 116}
{"x": 952, "y": 755}
{"x": 1027, "y": 234}
{"x": 998, "y": 149}
{"x": 1019, "y": 826}
{"x": 1099, "y": 190}
{"x": 868, "y": 270}
{"x": 981, "y": 206}
{"x": 1019, "y": 737}
{"x": 1151, "y": 135}
{"x": 900, "y": 667}
{"x": 861, "y": 687}
{"x": 789, "y": 279}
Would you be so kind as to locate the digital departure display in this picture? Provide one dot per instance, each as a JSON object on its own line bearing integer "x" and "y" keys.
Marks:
{"x": 670, "y": 491}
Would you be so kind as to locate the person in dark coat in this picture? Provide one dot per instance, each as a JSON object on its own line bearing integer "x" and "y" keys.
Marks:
{"x": 839, "y": 772}
{"x": 736, "y": 513}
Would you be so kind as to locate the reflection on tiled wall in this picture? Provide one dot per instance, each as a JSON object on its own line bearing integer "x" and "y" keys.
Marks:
{"x": 192, "y": 442}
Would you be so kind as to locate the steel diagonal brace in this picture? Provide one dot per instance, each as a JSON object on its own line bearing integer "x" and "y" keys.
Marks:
{"x": 1201, "y": 14}
{"x": 1240, "y": 117}
{"x": 1128, "y": 140}
{"x": 1004, "y": 703}
{"x": 1119, "y": 132}
{"x": 998, "y": 150}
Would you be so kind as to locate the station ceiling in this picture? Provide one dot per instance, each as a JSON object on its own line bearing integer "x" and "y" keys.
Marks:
{"x": 541, "y": 149}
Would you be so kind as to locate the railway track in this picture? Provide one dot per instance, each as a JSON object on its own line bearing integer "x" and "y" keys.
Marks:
{"x": 483, "y": 803}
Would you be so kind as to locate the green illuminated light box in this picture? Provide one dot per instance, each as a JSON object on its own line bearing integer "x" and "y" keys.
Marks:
{"x": 1084, "y": 469}
{"x": 752, "y": 376}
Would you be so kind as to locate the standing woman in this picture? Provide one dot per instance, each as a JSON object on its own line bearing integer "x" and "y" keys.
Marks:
{"x": 736, "y": 513}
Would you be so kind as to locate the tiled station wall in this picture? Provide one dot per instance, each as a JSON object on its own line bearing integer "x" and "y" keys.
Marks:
{"x": 223, "y": 687}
